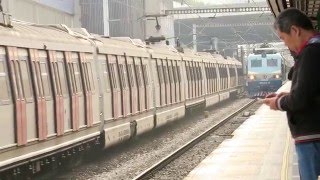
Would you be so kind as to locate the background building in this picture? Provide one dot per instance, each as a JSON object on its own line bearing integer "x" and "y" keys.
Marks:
{"x": 44, "y": 11}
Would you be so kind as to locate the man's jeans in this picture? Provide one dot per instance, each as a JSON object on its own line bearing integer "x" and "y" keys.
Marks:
{"x": 309, "y": 160}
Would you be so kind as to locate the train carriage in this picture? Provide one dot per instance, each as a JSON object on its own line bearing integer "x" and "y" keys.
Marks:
{"x": 192, "y": 62}
{"x": 65, "y": 90}
{"x": 41, "y": 110}
{"x": 169, "y": 86}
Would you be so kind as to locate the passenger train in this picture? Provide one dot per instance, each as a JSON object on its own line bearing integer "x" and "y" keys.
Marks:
{"x": 64, "y": 90}
{"x": 266, "y": 71}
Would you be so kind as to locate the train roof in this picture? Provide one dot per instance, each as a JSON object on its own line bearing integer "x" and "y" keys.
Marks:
{"x": 207, "y": 57}
{"x": 58, "y": 37}
{"x": 190, "y": 55}
{"x": 163, "y": 51}
{"x": 120, "y": 46}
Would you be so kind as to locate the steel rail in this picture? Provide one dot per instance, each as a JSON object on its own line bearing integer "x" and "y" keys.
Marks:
{"x": 174, "y": 155}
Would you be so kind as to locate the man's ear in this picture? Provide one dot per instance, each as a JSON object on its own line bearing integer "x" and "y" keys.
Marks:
{"x": 295, "y": 30}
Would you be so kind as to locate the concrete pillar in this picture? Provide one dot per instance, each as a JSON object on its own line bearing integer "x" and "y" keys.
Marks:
{"x": 194, "y": 37}
{"x": 106, "y": 31}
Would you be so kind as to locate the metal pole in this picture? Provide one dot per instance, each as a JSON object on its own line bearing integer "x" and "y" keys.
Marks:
{"x": 194, "y": 35}
{"x": 105, "y": 8}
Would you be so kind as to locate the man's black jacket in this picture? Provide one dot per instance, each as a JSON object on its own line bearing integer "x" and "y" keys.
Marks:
{"x": 303, "y": 103}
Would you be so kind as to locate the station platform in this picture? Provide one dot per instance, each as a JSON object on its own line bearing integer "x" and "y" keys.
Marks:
{"x": 261, "y": 148}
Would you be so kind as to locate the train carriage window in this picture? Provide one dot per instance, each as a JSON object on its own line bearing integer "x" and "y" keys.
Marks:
{"x": 160, "y": 74}
{"x": 170, "y": 74}
{"x": 122, "y": 76}
{"x": 272, "y": 62}
{"x": 165, "y": 73}
{"x": 256, "y": 63}
{"x": 44, "y": 73}
{"x": 61, "y": 73}
{"x": 207, "y": 71}
{"x": 131, "y": 73}
{"x": 195, "y": 72}
{"x": 90, "y": 72}
{"x": 76, "y": 72}
{"x": 188, "y": 72}
{"x": 239, "y": 70}
{"x": 179, "y": 73}
{"x": 25, "y": 73}
{"x": 138, "y": 72}
{"x": 174, "y": 69}
{"x": 214, "y": 72}
{"x": 4, "y": 91}
{"x": 192, "y": 75}
{"x": 145, "y": 74}
{"x": 73, "y": 83}
{"x": 77, "y": 77}
{"x": 106, "y": 76}
{"x": 200, "y": 73}
{"x": 56, "y": 84}
{"x": 113, "y": 76}
{"x": 86, "y": 76}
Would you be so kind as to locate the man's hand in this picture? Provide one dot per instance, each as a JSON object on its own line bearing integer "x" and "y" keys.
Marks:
{"x": 276, "y": 95}
{"x": 282, "y": 94}
{"x": 271, "y": 102}
{"x": 270, "y": 95}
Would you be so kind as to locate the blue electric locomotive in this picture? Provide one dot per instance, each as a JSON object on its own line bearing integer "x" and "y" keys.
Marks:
{"x": 265, "y": 71}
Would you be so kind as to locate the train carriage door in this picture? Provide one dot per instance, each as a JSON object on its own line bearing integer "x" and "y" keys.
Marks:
{"x": 23, "y": 96}
{"x": 47, "y": 100}
{"x": 176, "y": 82}
{"x": 193, "y": 80}
{"x": 197, "y": 78}
{"x": 107, "y": 94}
{"x": 161, "y": 81}
{"x": 214, "y": 78}
{"x": 155, "y": 76}
{"x": 140, "y": 82}
{"x": 133, "y": 85}
{"x": 181, "y": 80}
{"x": 116, "y": 93}
{"x": 48, "y": 104}
{"x": 6, "y": 104}
{"x": 77, "y": 104}
{"x": 57, "y": 94}
{"x": 189, "y": 88}
{"x": 228, "y": 69}
{"x": 219, "y": 77}
{"x": 172, "y": 82}
{"x": 166, "y": 81}
{"x": 204, "y": 80}
{"x": 234, "y": 74}
{"x": 124, "y": 86}
{"x": 201, "y": 84}
{"x": 40, "y": 102}
{"x": 207, "y": 80}
{"x": 210, "y": 81}
{"x": 88, "y": 88}
{"x": 147, "y": 82}
{"x": 63, "y": 98}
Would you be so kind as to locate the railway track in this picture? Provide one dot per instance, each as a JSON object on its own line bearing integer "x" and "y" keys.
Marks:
{"x": 180, "y": 151}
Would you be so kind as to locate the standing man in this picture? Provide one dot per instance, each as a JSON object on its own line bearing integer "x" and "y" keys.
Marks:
{"x": 302, "y": 104}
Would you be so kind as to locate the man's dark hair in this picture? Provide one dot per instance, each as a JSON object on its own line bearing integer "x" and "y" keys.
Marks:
{"x": 290, "y": 17}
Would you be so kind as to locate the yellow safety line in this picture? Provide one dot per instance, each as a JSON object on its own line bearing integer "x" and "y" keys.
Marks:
{"x": 285, "y": 158}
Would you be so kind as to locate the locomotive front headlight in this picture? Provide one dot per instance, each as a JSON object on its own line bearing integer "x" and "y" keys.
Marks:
{"x": 277, "y": 76}
{"x": 251, "y": 77}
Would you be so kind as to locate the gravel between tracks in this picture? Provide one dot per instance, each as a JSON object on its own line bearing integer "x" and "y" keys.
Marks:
{"x": 131, "y": 158}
